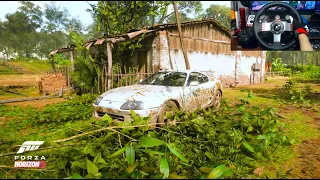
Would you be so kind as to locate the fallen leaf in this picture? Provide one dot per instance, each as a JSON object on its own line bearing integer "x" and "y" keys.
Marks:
{"x": 258, "y": 171}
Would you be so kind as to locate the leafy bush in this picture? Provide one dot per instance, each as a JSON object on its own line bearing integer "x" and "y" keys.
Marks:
{"x": 206, "y": 144}
{"x": 295, "y": 94}
{"x": 77, "y": 108}
{"x": 277, "y": 64}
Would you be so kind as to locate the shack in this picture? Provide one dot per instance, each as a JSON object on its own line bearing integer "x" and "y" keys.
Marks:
{"x": 208, "y": 47}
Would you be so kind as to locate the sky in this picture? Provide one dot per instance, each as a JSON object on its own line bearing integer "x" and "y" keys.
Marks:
{"x": 77, "y": 8}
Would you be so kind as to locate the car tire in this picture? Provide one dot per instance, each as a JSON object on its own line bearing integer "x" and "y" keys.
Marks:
{"x": 169, "y": 106}
{"x": 217, "y": 99}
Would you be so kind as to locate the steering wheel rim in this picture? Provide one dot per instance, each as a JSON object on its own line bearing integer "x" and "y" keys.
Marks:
{"x": 259, "y": 27}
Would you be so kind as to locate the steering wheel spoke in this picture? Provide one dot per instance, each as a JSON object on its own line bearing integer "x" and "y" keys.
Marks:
{"x": 265, "y": 26}
{"x": 276, "y": 38}
{"x": 287, "y": 26}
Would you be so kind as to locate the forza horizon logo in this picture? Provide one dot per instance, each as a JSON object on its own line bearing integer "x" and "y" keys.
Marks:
{"x": 22, "y": 161}
{"x": 30, "y": 146}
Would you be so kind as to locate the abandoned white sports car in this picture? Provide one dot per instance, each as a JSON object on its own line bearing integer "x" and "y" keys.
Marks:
{"x": 160, "y": 93}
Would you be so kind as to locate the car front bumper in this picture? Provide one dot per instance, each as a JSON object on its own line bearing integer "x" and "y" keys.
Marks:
{"x": 125, "y": 115}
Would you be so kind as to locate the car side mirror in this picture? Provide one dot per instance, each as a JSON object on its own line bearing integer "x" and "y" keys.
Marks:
{"x": 194, "y": 83}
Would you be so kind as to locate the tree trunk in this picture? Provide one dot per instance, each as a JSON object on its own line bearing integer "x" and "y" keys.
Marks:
{"x": 181, "y": 36}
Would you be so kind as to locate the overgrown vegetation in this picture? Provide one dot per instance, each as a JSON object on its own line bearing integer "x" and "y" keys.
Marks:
{"x": 204, "y": 144}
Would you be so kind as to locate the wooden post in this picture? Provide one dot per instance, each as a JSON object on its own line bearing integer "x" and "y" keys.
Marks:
{"x": 109, "y": 64}
{"x": 68, "y": 76}
{"x": 180, "y": 36}
{"x": 52, "y": 63}
{"x": 71, "y": 59}
{"x": 125, "y": 73}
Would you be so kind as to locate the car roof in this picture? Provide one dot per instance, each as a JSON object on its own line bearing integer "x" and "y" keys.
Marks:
{"x": 188, "y": 71}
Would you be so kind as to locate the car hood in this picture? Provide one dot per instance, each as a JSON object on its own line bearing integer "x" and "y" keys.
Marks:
{"x": 145, "y": 93}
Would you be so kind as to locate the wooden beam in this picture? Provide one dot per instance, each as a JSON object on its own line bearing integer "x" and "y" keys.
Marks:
{"x": 180, "y": 35}
{"x": 72, "y": 59}
{"x": 52, "y": 63}
{"x": 109, "y": 64}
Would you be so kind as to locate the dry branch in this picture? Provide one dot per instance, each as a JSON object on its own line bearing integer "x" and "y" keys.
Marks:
{"x": 106, "y": 128}
{"x": 282, "y": 116}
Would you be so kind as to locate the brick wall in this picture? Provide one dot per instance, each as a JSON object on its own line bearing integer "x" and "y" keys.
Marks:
{"x": 50, "y": 84}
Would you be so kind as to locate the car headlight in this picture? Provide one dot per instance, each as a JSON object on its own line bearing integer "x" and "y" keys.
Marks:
{"x": 97, "y": 101}
{"x": 132, "y": 105}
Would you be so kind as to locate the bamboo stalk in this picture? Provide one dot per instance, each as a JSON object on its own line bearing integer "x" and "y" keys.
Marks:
{"x": 102, "y": 79}
{"x": 118, "y": 76}
{"x": 105, "y": 79}
{"x": 121, "y": 76}
{"x": 125, "y": 72}
{"x": 137, "y": 73}
{"x": 98, "y": 84}
{"x": 112, "y": 79}
{"x": 130, "y": 76}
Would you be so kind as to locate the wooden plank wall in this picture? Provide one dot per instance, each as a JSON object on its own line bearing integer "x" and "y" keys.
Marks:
{"x": 204, "y": 37}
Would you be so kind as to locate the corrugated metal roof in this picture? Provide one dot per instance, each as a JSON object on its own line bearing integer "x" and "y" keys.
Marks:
{"x": 212, "y": 20}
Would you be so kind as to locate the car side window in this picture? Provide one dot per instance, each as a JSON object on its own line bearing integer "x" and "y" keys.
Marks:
{"x": 204, "y": 78}
{"x": 198, "y": 77}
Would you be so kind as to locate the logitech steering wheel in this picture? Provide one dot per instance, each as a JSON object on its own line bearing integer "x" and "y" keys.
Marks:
{"x": 277, "y": 26}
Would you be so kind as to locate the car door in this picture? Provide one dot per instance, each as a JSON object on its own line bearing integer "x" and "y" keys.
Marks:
{"x": 198, "y": 87}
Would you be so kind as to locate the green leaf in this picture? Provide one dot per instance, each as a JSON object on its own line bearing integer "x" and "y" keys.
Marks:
{"x": 98, "y": 159}
{"x": 206, "y": 169}
{"x": 87, "y": 149}
{"x": 164, "y": 167}
{"x": 261, "y": 137}
{"x": 76, "y": 176}
{"x": 249, "y": 128}
{"x": 176, "y": 152}
{"x": 153, "y": 152}
{"x": 292, "y": 141}
{"x": 215, "y": 173}
{"x": 91, "y": 167}
{"x": 132, "y": 167}
{"x": 174, "y": 176}
{"x": 120, "y": 151}
{"x": 78, "y": 164}
{"x": 146, "y": 141}
{"x": 219, "y": 171}
{"x": 130, "y": 155}
{"x": 107, "y": 118}
{"x": 247, "y": 146}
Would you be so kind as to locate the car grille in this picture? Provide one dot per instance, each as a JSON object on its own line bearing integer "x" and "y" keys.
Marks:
{"x": 113, "y": 116}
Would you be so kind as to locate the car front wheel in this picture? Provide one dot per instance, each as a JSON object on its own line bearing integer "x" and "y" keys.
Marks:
{"x": 168, "y": 107}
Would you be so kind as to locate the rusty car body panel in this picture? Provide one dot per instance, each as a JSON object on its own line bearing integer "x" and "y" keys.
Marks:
{"x": 188, "y": 98}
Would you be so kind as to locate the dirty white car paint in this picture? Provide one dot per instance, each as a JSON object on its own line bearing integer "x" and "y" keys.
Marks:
{"x": 149, "y": 99}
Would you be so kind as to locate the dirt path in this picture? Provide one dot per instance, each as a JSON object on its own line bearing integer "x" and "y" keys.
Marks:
{"x": 19, "y": 79}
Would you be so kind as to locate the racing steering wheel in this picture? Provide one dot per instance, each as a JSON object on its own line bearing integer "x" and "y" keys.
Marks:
{"x": 277, "y": 26}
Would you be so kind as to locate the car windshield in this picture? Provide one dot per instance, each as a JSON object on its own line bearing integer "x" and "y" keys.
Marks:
{"x": 166, "y": 79}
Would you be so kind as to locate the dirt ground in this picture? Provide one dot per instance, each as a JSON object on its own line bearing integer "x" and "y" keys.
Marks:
{"x": 19, "y": 79}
